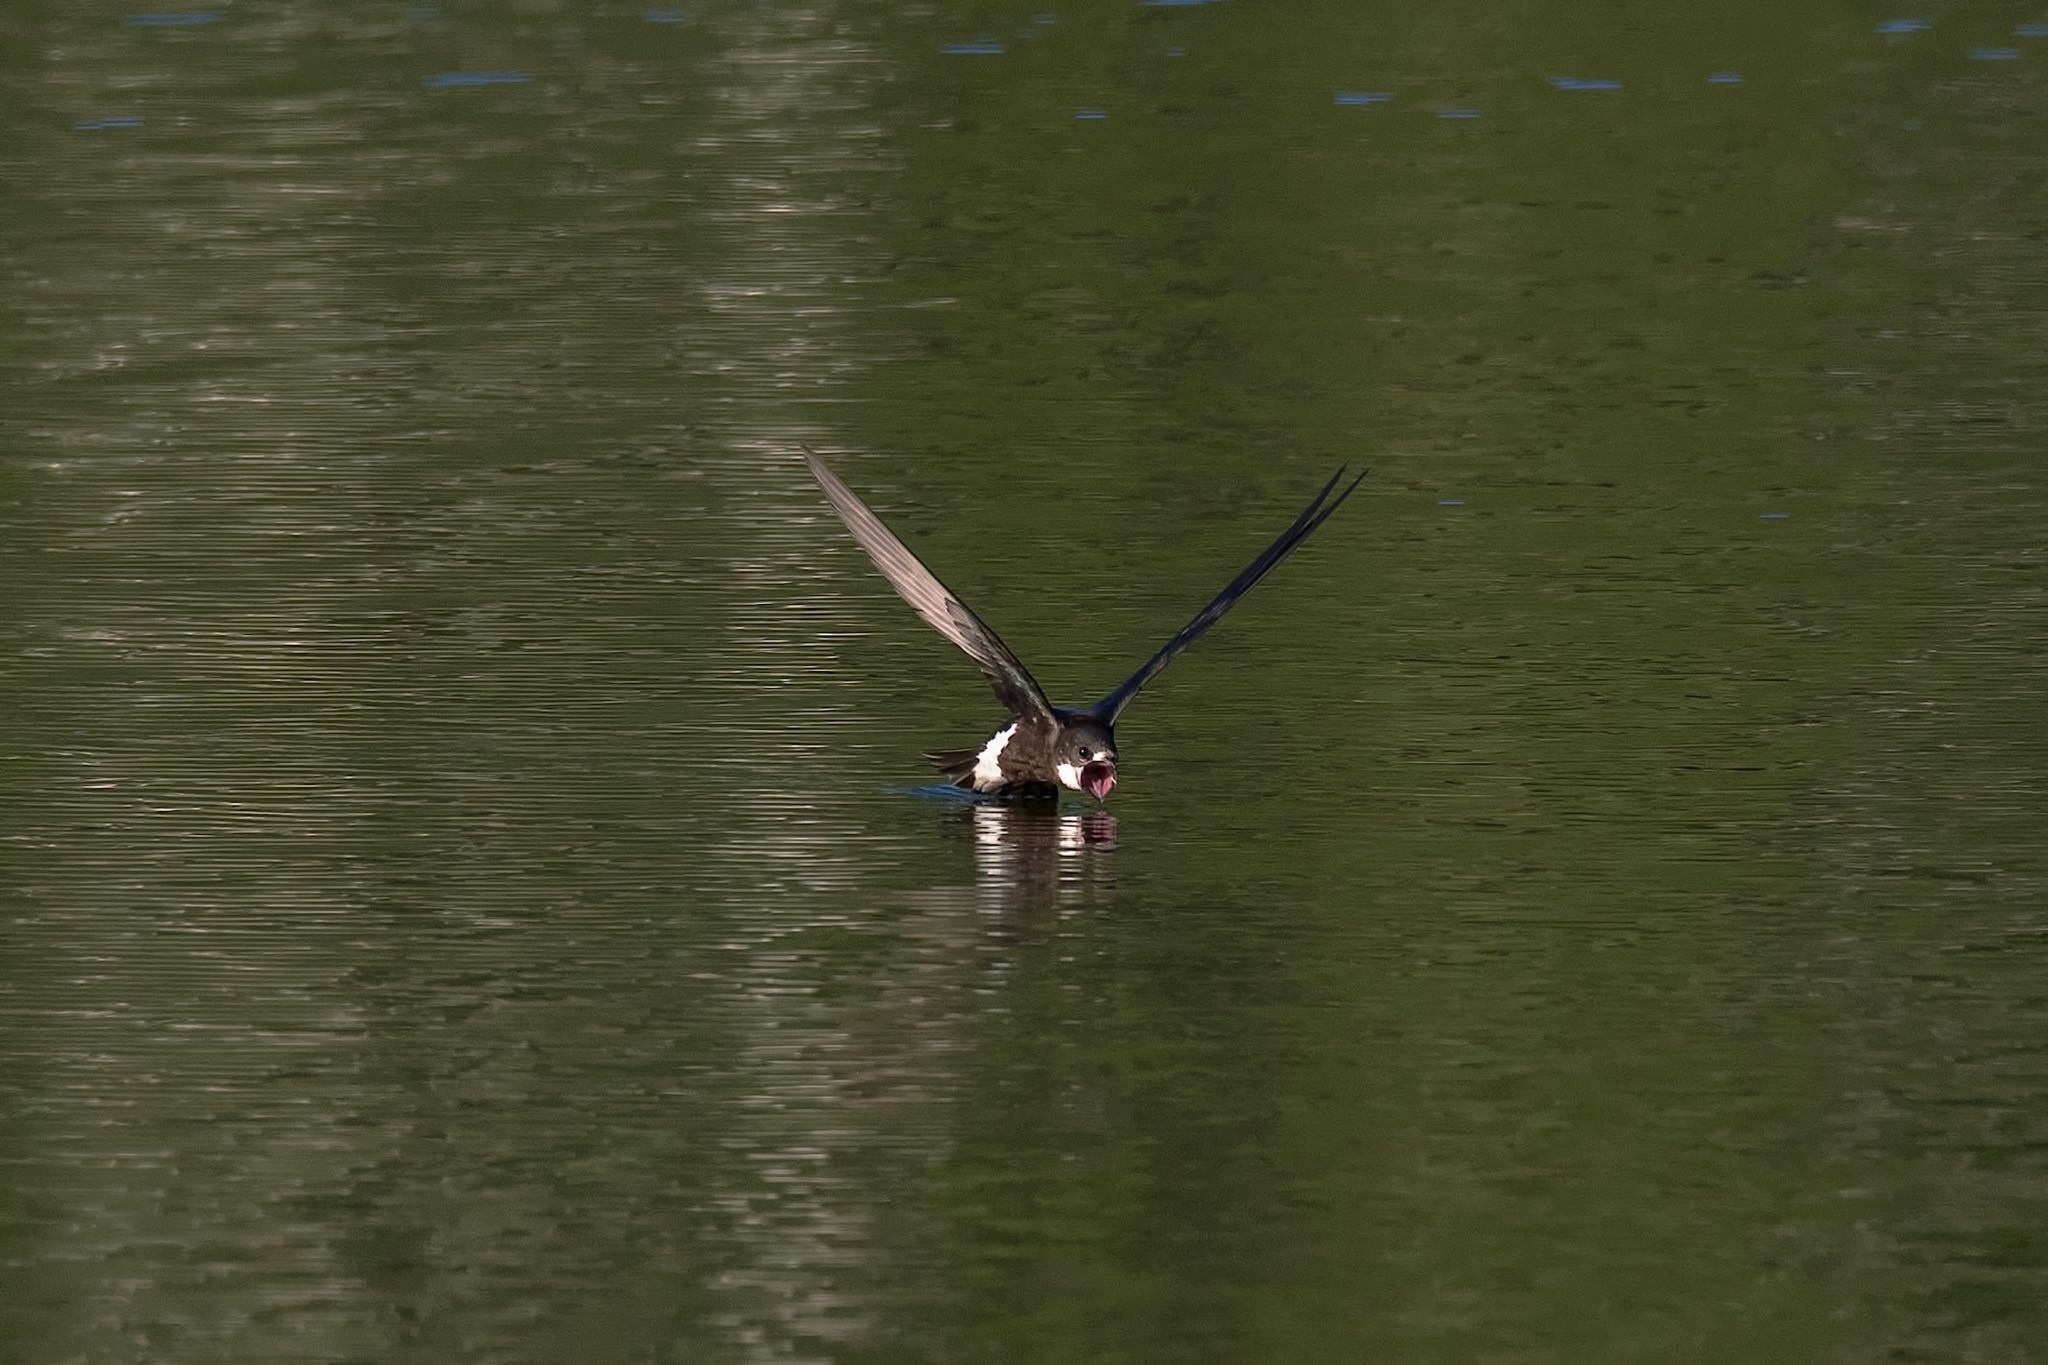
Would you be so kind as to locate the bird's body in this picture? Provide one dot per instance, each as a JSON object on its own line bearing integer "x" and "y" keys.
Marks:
{"x": 1024, "y": 757}
{"x": 1040, "y": 748}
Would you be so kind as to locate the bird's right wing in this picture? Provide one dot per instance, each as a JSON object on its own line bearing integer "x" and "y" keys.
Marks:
{"x": 934, "y": 601}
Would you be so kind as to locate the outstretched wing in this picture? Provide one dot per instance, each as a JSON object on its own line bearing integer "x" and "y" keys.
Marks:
{"x": 1314, "y": 515}
{"x": 934, "y": 601}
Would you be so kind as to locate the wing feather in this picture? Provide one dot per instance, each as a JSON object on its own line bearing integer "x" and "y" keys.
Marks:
{"x": 1315, "y": 514}
{"x": 940, "y": 607}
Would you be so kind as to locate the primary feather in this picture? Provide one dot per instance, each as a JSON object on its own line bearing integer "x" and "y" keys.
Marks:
{"x": 1314, "y": 515}
{"x": 940, "y": 607}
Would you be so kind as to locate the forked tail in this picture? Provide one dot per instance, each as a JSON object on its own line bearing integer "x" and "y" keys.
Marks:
{"x": 956, "y": 764}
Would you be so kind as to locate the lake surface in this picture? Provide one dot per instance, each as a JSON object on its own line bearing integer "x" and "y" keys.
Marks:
{"x": 460, "y": 899}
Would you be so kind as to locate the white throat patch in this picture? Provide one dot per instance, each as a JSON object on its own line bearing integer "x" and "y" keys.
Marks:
{"x": 1070, "y": 776}
{"x": 988, "y": 768}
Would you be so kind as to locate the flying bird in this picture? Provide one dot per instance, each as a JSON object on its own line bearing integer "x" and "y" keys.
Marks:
{"x": 1042, "y": 748}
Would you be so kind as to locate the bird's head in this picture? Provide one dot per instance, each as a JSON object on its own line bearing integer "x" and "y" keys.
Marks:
{"x": 1086, "y": 756}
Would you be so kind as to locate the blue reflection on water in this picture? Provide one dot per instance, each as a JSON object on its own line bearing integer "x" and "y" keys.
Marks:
{"x": 937, "y": 792}
{"x": 184, "y": 19}
{"x": 2032, "y": 30}
{"x": 1775, "y": 516}
{"x": 1361, "y": 97}
{"x": 1725, "y": 78}
{"x": 1091, "y": 113}
{"x": 451, "y": 78}
{"x": 112, "y": 121}
{"x": 979, "y": 47}
{"x": 1457, "y": 113}
{"x": 662, "y": 16}
{"x": 1905, "y": 25}
{"x": 1581, "y": 83}
{"x": 1994, "y": 54}
{"x": 1450, "y": 502}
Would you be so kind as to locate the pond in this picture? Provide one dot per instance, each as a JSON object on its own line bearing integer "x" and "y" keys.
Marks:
{"x": 467, "y": 891}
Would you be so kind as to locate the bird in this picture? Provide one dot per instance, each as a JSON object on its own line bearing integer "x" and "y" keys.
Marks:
{"x": 1040, "y": 749}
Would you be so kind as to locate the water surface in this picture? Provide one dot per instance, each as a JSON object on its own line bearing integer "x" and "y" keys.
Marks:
{"x": 460, "y": 899}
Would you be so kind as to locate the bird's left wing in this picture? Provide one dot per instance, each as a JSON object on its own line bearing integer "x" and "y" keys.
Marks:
{"x": 941, "y": 609}
{"x": 1314, "y": 515}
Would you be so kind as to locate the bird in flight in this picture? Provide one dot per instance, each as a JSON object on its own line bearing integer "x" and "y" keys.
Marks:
{"x": 1041, "y": 748}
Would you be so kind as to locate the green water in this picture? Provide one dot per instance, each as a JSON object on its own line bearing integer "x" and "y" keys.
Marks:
{"x": 457, "y": 900}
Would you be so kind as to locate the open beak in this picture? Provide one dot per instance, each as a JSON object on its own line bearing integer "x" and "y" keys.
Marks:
{"x": 1097, "y": 778}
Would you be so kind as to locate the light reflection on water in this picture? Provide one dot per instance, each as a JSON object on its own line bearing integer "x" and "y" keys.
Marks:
{"x": 1023, "y": 857}
{"x": 455, "y": 902}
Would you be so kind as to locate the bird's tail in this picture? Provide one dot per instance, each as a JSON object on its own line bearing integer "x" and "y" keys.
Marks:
{"x": 956, "y": 764}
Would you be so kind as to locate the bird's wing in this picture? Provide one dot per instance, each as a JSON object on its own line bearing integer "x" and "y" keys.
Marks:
{"x": 934, "y": 601}
{"x": 1314, "y": 515}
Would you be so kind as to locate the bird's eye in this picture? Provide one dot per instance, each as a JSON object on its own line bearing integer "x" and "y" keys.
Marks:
{"x": 1084, "y": 753}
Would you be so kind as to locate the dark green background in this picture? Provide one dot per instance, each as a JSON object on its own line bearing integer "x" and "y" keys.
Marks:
{"x": 458, "y": 904}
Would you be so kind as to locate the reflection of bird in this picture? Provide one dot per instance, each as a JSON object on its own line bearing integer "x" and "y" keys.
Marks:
{"x": 1028, "y": 854}
{"x": 1065, "y": 833}
{"x": 1041, "y": 747}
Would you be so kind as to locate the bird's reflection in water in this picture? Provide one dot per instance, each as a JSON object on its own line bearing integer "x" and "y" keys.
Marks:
{"x": 1027, "y": 855}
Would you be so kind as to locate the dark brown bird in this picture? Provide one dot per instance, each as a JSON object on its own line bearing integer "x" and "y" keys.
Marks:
{"x": 1041, "y": 748}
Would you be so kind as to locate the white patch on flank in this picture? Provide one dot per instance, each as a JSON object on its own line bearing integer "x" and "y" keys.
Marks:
{"x": 1070, "y": 776}
{"x": 988, "y": 770}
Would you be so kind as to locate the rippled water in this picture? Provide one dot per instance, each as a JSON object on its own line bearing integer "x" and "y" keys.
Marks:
{"x": 464, "y": 896}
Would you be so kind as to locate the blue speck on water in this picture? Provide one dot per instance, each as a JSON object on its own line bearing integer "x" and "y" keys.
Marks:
{"x": 1361, "y": 97}
{"x": 1045, "y": 19}
{"x": 180, "y": 19}
{"x": 1905, "y": 25}
{"x": 1774, "y": 516}
{"x": 662, "y": 16}
{"x": 1176, "y": 51}
{"x": 1994, "y": 54}
{"x": 2032, "y": 30}
{"x": 1725, "y": 78}
{"x": 979, "y": 47}
{"x": 1457, "y": 113}
{"x": 1450, "y": 502}
{"x": 453, "y": 78}
{"x": 1912, "y": 125}
{"x": 1581, "y": 83}
{"x": 86, "y": 125}
{"x": 1091, "y": 113}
